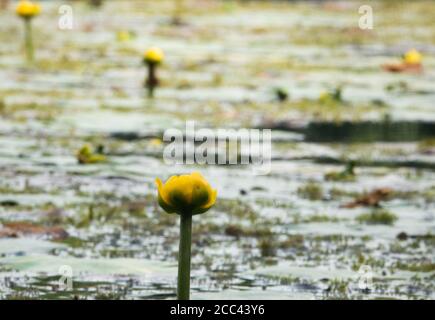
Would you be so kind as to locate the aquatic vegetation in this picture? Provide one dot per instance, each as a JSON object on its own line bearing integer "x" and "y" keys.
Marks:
{"x": 265, "y": 202}
{"x": 153, "y": 57}
{"x": 411, "y": 62}
{"x": 348, "y": 174}
{"x": 338, "y": 287}
{"x": 125, "y": 35}
{"x": 397, "y": 87}
{"x": 377, "y": 216}
{"x": 24, "y": 228}
{"x": 27, "y": 10}
{"x": 267, "y": 248}
{"x": 281, "y": 94}
{"x": 237, "y": 208}
{"x": 293, "y": 241}
{"x": 95, "y": 3}
{"x": 372, "y": 199}
{"x": 89, "y": 90}
{"x": 339, "y": 193}
{"x": 87, "y": 156}
{"x": 367, "y": 260}
{"x": 178, "y": 12}
{"x": 426, "y": 146}
{"x": 2, "y": 107}
{"x": 316, "y": 218}
{"x": 311, "y": 191}
{"x": 423, "y": 266}
{"x": 413, "y": 57}
{"x": 240, "y": 231}
{"x": 185, "y": 195}
{"x": 331, "y": 97}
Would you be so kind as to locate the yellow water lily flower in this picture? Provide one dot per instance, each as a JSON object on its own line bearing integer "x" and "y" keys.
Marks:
{"x": 86, "y": 156}
{"x": 413, "y": 57}
{"x": 122, "y": 36}
{"x": 125, "y": 35}
{"x": 154, "y": 55}
{"x": 28, "y": 9}
{"x": 156, "y": 142}
{"x": 186, "y": 194}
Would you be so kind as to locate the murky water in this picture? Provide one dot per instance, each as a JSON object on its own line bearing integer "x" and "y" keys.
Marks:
{"x": 307, "y": 230}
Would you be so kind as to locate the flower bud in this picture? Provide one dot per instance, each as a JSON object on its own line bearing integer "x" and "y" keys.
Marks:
{"x": 153, "y": 55}
{"x": 186, "y": 194}
{"x": 413, "y": 57}
{"x": 28, "y": 9}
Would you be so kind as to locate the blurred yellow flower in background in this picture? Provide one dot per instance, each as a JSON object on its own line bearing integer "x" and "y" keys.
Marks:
{"x": 154, "y": 55}
{"x": 125, "y": 35}
{"x": 413, "y": 57}
{"x": 186, "y": 194}
{"x": 27, "y": 9}
{"x": 86, "y": 156}
{"x": 122, "y": 36}
{"x": 156, "y": 142}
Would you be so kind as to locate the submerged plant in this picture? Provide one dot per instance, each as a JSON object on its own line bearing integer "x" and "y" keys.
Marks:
{"x": 377, "y": 216}
{"x": 185, "y": 195}
{"x": 86, "y": 156}
{"x": 329, "y": 97}
{"x": 281, "y": 94}
{"x": 348, "y": 174}
{"x": 96, "y": 3}
{"x": 152, "y": 58}
{"x": 311, "y": 191}
{"x": 411, "y": 62}
{"x": 125, "y": 35}
{"x": 27, "y": 9}
{"x": 178, "y": 12}
{"x": 371, "y": 199}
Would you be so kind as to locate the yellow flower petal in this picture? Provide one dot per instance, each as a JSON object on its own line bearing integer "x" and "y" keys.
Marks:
{"x": 27, "y": 9}
{"x": 413, "y": 57}
{"x": 154, "y": 55}
{"x": 186, "y": 194}
{"x": 161, "y": 190}
{"x": 211, "y": 200}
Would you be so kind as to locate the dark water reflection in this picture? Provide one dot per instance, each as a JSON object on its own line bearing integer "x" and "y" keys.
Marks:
{"x": 367, "y": 131}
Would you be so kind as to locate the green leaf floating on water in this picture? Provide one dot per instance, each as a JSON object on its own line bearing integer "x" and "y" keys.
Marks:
{"x": 29, "y": 255}
{"x": 44, "y": 263}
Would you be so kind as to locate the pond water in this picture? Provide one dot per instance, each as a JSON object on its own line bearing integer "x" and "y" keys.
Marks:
{"x": 351, "y": 190}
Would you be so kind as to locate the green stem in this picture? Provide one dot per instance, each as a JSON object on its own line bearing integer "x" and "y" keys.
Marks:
{"x": 183, "y": 292}
{"x": 152, "y": 80}
{"x": 176, "y": 19}
{"x": 28, "y": 39}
